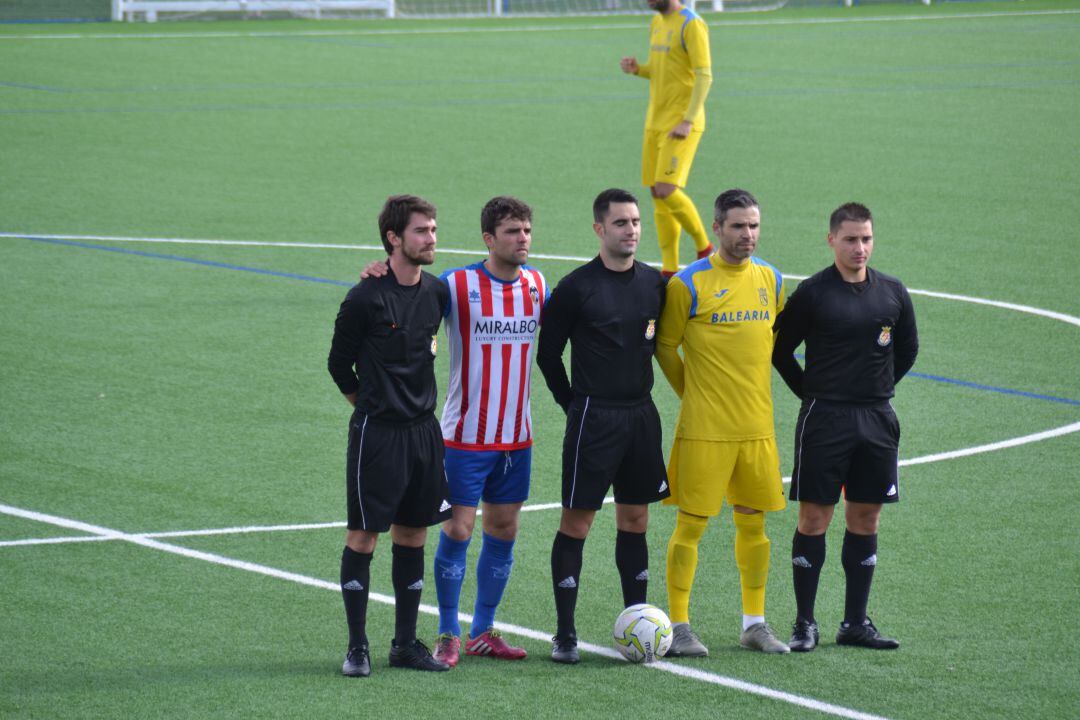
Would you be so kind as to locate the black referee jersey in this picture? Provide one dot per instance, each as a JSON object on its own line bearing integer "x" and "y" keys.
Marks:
{"x": 860, "y": 337}
{"x": 388, "y": 332}
{"x": 610, "y": 320}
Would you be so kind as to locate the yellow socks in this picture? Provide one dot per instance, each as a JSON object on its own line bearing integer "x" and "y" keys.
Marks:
{"x": 682, "y": 207}
{"x": 682, "y": 557}
{"x": 667, "y": 234}
{"x": 752, "y": 558}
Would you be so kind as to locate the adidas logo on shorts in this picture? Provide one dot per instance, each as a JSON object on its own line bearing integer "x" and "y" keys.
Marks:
{"x": 445, "y": 506}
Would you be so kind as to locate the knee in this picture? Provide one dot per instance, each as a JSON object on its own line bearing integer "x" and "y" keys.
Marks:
{"x": 689, "y": 528}
{"x": 360, "y": 541}
{"x": 458, "y": 529}
{"x": 814, "y": 519}
{"x": 503, "y": 529}
{"x": 863, "y": 524}
{"x": 862, "y": 518}
{"x": 661, "y": 191}
{"x": 636, "y": 521}
{"x": 575, "y": 525}
{"x": 748, "y": 522}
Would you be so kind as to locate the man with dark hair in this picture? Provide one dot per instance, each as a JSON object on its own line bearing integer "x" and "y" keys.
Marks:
{"x": 491, "y": 323}
{"x": 721, "y": 310}
{"x": 382, "y": 358}
{"x": 679, "y": 71}
{"x": 861, "y": 339}
{"x": 608, "y": 311}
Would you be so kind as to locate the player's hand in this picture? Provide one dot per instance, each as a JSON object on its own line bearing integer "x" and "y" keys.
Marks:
{"x": 682, "y": 130}
{"x": 629, "y": 65}
{"x": 375, "y": 268}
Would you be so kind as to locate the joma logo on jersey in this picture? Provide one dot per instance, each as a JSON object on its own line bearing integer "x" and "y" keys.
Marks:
{"x": 474, "y": 296}
{"x": 739, "y": 316}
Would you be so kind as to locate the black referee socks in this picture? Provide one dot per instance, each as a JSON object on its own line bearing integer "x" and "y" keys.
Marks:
{"x": 407, "y": 574}
{"x": 859, "y": 558}
{"x": 355, "y": 581}
{"x": 632, "y": 560}
{"x": 565, "y": 570}
{"x": 807, "y": 558}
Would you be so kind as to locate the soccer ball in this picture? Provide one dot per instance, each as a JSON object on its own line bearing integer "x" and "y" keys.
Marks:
{"x": 642, "y": 633}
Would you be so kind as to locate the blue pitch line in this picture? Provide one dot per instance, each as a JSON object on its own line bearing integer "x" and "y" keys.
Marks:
{"x": 991, "y": 388}
{"x": 343, "y": 283}
{"x": 28, "y": 86}
{"x": 193, "y": 261}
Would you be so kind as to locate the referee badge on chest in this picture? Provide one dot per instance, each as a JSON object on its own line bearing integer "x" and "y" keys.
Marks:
{"x": 434, "y": 344}
{"x": 885, "y": 336}
{"x": 650, "y": 329}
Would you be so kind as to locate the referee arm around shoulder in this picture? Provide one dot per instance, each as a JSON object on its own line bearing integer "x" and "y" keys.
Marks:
{"x": 669, "y": 335}
{"x": 792, "y": 327}
{"x": 556, "y": 326}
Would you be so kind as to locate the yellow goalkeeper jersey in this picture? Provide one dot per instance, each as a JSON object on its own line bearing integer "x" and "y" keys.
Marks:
{"x": 722, "y": 315}
{"x": 678, "y": 44}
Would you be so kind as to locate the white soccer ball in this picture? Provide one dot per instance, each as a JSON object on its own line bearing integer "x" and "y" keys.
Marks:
{"x": 642, "y": 633}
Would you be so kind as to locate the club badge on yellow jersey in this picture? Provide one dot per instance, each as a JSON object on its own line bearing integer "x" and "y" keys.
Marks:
{"x": 885, "y": 337}
{"x": 650, "y": 330}
{"x": 434, "y": 344}
{"x": 763, "y": 296}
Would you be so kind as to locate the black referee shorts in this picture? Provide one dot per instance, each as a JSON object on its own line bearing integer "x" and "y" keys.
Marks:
{"x": 846, "y": 447}
{"x": 609, "y": 443}
{"x": 394, "y": 474}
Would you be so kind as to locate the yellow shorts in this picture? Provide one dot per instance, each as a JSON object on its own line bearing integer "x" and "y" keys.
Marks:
{"x": 703, "y": 473}
{"x": 667, "y": 160}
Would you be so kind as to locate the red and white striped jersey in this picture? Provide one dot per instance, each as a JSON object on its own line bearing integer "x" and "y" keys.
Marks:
{"x": 491, "y": 329}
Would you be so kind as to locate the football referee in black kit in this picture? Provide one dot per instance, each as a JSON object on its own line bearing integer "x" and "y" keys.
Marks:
{"x": 607, "y": 310}
{"x": 859, "y": 328}
{"x": 383, "y": 360}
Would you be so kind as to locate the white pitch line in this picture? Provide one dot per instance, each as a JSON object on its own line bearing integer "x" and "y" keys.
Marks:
{"x": 452, "y": 30}
{"x": 54, "y": 540}
{"x": 1012, "y": 442}
{"x": 237, "y": 530}
{"x": 1030, "y": 310}
{"x": 733, "y": 683}
{"x": 922, "y": 460}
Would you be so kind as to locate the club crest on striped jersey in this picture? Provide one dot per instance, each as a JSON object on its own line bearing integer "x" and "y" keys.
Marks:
{"x": 534, "y": 293}
{"x": 434, "y": 344}
{"x": 650, "y": 329}
{"x": 763, "y": 296}
{"x": 885, "y": 336}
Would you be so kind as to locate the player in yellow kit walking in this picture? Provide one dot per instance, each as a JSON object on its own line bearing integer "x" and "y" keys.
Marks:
{"x": 721, "y": 310}
{"x": 679, "y": 74}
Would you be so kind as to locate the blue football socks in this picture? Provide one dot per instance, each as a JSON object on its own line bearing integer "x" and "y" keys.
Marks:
{"x": 492, "y": 574}
{"x": 449, "y": 575}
